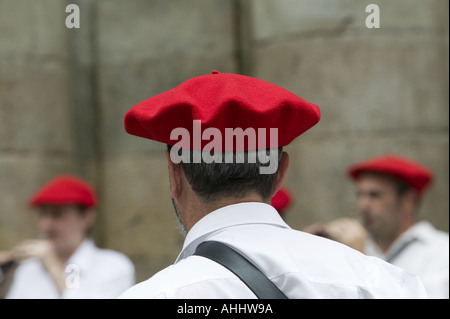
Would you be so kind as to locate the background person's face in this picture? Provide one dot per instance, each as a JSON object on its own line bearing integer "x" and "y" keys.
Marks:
{"x": 64, "y": 225}
{"x": 378, "y": 204}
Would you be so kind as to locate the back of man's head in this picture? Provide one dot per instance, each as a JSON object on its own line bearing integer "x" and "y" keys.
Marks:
{"x": 237, "y": 178}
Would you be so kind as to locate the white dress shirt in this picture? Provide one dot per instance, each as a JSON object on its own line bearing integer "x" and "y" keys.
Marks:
{"x": 422, "y": 250}
{"x": 300, "y": 264}
{"x": 90, "y": 272}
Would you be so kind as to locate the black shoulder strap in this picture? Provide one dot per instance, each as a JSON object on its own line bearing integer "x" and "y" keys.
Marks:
{"x": 261, "y": 286}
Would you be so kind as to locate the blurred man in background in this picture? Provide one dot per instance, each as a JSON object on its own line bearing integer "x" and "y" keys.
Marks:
{"x": 64, "y": 262}
{"x": 390, "y": 189}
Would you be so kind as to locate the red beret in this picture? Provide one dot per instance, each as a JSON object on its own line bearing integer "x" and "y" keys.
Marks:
{"x": 410, "y": 172}
{"x": 282, "y": 199}
{"x": 222, "y": 100}
{"x": 65, "y": 189}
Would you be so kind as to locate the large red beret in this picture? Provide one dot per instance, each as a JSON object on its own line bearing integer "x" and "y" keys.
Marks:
{"x": 222, "y": 100}
{"x": 410, "y": 172}
{"x": 282, "y": 200}
{"x": 65, "y": 189}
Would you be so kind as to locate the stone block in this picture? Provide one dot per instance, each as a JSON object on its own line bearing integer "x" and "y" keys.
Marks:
{"x": 149, "y": 29}
{"x": 35, "y": 106}
{"x": 162, "y": 45}
{"x": 33, "y": 28}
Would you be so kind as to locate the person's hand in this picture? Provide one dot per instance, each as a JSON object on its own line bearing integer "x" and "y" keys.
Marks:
{"x": 34, "y": 248}
{"x": 45, "y": 252}
{"x": 6, "y": 257}
{"x": 317, "y": 229}
{"x": 7, "y": 269}
{"x": 40, "y": 249}
{"x": 347, "y": 231}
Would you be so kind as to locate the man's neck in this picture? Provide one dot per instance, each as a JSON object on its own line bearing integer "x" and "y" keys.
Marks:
{"x": 385, "y": 243}
{"x": 199, "y": 209}
{"x": 64, "y": 255}
{"x": 231, "y": 201}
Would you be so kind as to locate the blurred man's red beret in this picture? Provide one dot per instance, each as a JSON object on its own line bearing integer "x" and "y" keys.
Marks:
{"x": 64, "y": 190}
{"x": 222, "y": 100}
{"x": 412, "y": 173}
{"x": 282, "y": 200}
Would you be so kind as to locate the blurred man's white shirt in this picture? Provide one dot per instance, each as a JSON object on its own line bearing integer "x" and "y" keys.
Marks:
{"x": 90, "y": 272}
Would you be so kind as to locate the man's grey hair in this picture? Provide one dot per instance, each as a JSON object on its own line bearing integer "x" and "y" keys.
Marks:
{"x": 240, "y": 178}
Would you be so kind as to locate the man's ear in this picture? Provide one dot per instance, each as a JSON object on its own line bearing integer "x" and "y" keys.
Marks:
{"x": 281, "y": 174}
{"x": 90, "y": 216}
{"x": 409, "y": 201}
{"x": 175, "y": 176}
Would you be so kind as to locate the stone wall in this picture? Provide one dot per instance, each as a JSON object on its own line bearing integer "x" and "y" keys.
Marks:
{"x": 64, "y": 92}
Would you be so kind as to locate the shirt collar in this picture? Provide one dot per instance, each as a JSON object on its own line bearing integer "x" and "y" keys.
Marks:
{"x": 229, "y": 216}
